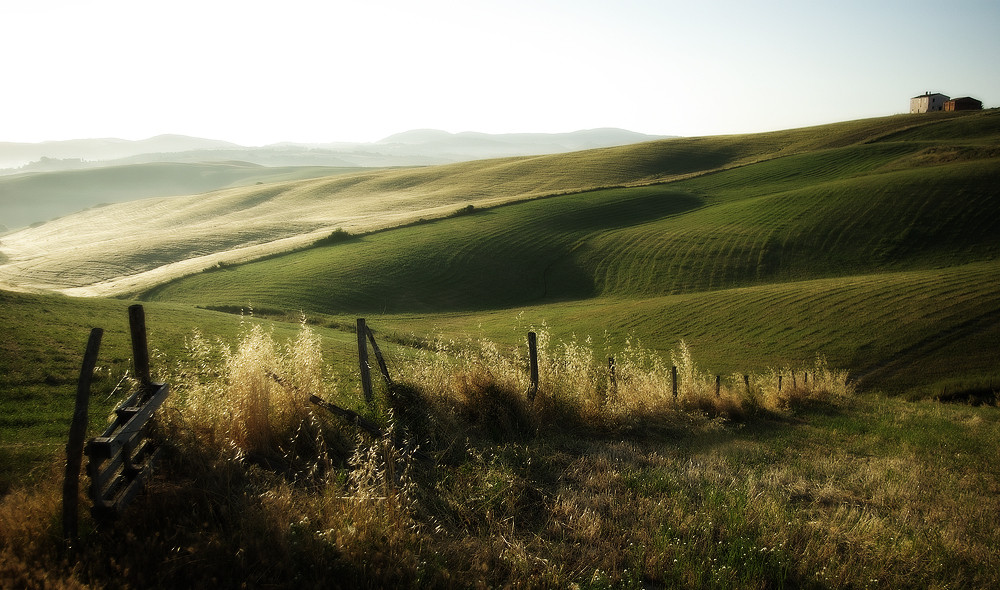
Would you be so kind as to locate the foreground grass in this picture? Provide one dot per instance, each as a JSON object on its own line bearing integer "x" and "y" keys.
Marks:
{"x": 42, "y": 340}
{"x": 589, "y": 487}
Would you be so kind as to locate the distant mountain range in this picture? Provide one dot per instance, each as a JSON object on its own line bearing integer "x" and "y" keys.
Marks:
{"x": 412, "y": 148}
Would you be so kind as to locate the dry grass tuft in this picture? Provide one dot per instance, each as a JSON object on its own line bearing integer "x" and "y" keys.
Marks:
{"x": 30, "y": 534}
{"x": 250, "y": 401}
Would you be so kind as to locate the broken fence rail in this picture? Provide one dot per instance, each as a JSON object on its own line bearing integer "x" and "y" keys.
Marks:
{"x": 123, "y": 457}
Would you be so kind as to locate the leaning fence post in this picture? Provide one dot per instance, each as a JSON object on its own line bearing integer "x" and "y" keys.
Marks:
{"x": 366, "y": 375}
{"x": 718, "y": 383}
{"x": 779, "y": 382}
{"x": 77, "y": 432}
{"x": 673, "y": 380}
{"x": 532, "y": 365}
{"x": 746, "y": 381}
{"x": 140, "y": 350}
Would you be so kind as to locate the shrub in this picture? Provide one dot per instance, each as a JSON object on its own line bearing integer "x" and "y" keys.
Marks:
{"x": 337, "y": 236}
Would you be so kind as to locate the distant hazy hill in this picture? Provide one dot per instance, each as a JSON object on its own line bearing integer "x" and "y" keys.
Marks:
{"x": 411, "y": 148}
{"x": 14, "y": 155}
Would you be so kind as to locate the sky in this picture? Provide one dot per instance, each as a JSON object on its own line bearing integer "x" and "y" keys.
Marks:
{"x": 257, "y": 73}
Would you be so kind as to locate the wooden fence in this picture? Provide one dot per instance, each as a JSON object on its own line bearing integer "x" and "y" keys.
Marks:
{"x": 122, "y": 458}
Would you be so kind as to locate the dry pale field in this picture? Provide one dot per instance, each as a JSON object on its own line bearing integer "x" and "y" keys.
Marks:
{"x": 128, "y": 247}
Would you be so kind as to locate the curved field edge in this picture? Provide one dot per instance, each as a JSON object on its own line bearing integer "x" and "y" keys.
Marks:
{"x": 639, "y": 242}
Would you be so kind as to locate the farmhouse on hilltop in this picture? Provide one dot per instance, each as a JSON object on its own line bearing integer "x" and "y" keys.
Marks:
{"x": 928, "y": 102}
{"x": 933, "y": 101}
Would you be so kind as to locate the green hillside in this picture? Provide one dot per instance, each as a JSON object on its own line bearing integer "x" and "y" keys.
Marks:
{"x": 676, "y": 238}
{"x": 182, "y": 235}
{"x": 908, "y": 212}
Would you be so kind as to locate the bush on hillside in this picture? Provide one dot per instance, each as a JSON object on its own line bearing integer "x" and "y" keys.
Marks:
{"x": 337, "y": 236}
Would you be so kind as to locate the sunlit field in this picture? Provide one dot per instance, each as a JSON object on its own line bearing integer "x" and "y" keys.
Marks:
{"x": 764, "y": 361}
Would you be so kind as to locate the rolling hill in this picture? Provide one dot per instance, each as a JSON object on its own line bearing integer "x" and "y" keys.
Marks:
{"x": 874, "y": 242}
{"x": 43, "y": 181}
{"x": 108, "y": 252}
{"x": 14, "y": 155}
{"x": 879, "y": 249}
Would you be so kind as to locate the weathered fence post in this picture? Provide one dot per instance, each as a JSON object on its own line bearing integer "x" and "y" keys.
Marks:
{"x": 140, "y": 349}
{"x": 532, "y": 366}
{"x": 794, "y": 386}
{"x": 746, "y": 381}
{"x": 366, "y": 375}
{"x": 673, "y": 380}
{"x": 718, "y": 384}
{"x": 779, "y": 382}
{"x": 77, "y": 432}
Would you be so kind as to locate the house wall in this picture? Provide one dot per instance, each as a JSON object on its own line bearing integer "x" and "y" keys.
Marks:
{"x": 926, "y": 103}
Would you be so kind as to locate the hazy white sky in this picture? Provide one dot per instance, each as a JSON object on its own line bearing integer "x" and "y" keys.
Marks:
{"x": 310, "y": 71}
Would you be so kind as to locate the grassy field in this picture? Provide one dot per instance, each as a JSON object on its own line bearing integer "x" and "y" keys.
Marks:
{"x": 864, "y": 253}
{"x": 42, "y": 345}
{"x": 815, "y": 489}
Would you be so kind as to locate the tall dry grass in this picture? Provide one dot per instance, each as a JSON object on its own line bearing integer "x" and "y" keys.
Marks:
{"x": 579, "y": 388}
{"x": 250, "y": 399}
